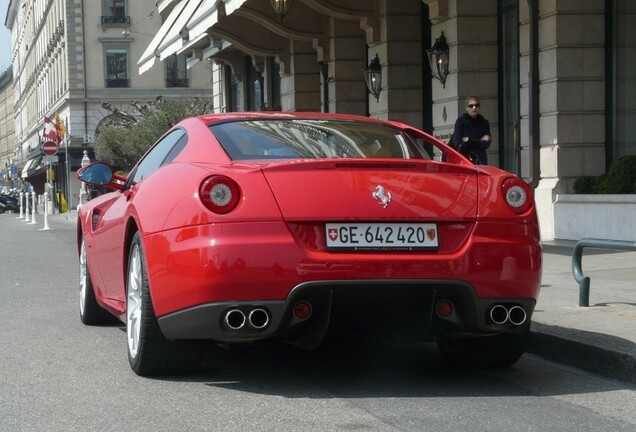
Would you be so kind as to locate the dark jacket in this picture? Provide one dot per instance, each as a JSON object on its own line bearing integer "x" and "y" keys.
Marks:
{"x": 474, "y": 129}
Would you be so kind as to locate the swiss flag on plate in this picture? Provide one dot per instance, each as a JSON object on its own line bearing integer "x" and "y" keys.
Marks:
{"x": 50, "y": 131}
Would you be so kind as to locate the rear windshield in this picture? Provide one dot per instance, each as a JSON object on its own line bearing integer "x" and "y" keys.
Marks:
{"x": 312, "y": 139}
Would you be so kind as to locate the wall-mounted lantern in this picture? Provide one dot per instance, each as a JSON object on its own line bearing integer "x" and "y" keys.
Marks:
{"x": 373, "y": 77}
{"x": 282, "y": 7}
{"x": 438, "y": 58}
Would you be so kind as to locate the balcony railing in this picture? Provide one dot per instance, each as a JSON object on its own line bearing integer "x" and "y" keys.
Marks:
{"x": 177, "y": 82}
{"x": 117, "y": 82}
{"x": 116, "y": 20}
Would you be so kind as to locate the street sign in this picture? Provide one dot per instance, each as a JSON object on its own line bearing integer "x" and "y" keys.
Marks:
{"x": 49, "y": 148}
{"x": 51, "y": 159}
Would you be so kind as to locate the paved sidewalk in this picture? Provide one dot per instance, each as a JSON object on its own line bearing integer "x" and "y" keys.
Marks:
{"x": 600, "y": 338}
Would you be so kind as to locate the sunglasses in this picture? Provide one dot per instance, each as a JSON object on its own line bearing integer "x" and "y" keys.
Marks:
{"x": 473, "y": 105}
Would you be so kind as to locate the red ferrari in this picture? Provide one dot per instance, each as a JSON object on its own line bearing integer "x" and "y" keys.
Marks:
{"x": 243, "y": 227}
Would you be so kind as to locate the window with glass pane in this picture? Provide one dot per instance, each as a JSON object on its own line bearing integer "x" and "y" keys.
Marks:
{"x": 274, "y": 74}
{"x": 116, "y": 67}
{"x": 114, "y": 8}
{"x": 176, "y": 71}
{"x": 114, "y": 13}
{"x": 509, "y": 112}
{"x": 254, "y": 86}
{"x": 234, "y": 97}
{"x": 624, "y": 77}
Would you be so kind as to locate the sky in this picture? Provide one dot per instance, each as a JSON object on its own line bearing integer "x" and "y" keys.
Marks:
{"x": 5, "y": 38}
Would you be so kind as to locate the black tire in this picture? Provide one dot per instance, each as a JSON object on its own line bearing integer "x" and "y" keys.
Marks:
{"x": 498, "y": 351}
{"x": 149, "y": 352}
{"x": 91, "y": 313}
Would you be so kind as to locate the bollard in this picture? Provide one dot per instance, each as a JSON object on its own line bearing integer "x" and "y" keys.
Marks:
{"x": 46, "y": 213}
{"x": 21, "y": 208}
{"x": 33, "y": 204}
{"x": 27, "y": 214}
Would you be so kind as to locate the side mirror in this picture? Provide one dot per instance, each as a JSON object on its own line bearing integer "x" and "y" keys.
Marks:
{"x": 101, "y": 174}
{"x": 98, "y": 174}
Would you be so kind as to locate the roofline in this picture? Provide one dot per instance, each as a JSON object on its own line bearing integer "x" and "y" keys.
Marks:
{"x": 284, "y": 115}
{"x": 11, "y": 10}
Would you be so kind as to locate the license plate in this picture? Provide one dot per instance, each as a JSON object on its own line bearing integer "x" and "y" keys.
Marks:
{"x": 401, "y": 236}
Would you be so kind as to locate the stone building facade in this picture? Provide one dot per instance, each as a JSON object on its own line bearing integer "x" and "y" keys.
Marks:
{"x": 75, "y": 58}
{"x": 8, "y": 169}
{"x": 555, "y": 77}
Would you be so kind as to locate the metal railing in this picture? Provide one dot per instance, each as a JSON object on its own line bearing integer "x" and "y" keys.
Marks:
{"x": 577, "y": 262}
{"x": 115, "y": 19}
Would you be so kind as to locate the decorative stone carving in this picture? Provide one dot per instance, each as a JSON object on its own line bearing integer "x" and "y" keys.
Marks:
{"x": 437, "y": 10}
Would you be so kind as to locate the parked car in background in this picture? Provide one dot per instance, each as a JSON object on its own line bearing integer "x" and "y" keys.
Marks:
{"x": 245, "y": 227}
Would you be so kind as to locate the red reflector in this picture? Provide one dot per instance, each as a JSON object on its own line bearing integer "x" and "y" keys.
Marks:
{"x": 302, "y": 310}
{"x": 444, "y": 308}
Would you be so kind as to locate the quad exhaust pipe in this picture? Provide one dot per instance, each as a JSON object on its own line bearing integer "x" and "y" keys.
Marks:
{"x": 235, "y": 319}
{"x": 256, "y": 318}
{"x": 515, "y": 315}
{"x": 499, "y": 314}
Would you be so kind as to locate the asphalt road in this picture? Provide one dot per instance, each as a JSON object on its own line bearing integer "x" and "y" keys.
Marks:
{"x": 58, "y": 375}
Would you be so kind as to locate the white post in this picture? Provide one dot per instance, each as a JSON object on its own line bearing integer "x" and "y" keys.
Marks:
{"x": 50, "y": 193}
{"x": 83, "y": 190}
{"x": 46, "y": 213}
{"x": 33, "y": 204}
{"x": 27, "y": 217}
{"x": 21, "y": 207}
{"x": 69, "y": 192}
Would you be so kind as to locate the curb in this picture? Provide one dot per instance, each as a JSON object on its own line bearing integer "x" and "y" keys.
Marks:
{"x": 606, "y": 355}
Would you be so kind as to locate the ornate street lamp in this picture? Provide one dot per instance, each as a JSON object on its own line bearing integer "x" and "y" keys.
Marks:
{"x": 282, "y": 7}
{"x": 438, "y": 57}
{"x": 373, "y": 77}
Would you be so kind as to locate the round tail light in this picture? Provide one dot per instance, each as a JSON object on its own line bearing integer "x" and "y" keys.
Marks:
{"x": 220, "y": 194}
{"x": 517, "y": 194}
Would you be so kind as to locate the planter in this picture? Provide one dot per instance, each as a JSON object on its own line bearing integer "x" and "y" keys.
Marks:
{"x": 577, "y": 216}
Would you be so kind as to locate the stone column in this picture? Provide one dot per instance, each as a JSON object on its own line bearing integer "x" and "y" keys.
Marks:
{"x": 470, "y": 29}
{"x": 347, "y": 92}
{"x": 300, "y": 90}
{"x": 400, "y": 53}
{"x": 572, "y": 99}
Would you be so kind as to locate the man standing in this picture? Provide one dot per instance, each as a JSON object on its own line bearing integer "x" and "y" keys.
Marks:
{"x": 471, "y": 136}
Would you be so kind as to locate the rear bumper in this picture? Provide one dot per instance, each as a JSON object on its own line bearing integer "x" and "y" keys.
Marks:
{"x": 404, "y": 307}
{"x": 248, "y": 263}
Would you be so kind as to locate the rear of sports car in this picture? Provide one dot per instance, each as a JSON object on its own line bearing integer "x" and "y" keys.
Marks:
{"x": 306, "y": 242}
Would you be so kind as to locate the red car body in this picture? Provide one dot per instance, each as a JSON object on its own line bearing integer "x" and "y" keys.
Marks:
{"x": 208, "y": 272}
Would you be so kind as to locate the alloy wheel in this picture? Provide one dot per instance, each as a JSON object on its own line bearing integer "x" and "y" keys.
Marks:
{"x": 82, "y": 279}
{"x": 133, "y": 306}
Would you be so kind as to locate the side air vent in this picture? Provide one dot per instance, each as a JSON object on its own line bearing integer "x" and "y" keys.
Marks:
{"x": 97, "y": 215}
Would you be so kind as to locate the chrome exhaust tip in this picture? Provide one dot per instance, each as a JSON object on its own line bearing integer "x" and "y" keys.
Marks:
{"x": 517, "y": 315}
{"x": 258, "y": 318}
{"x": 499, "y": 314}
{"x": 234, "y": 319}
